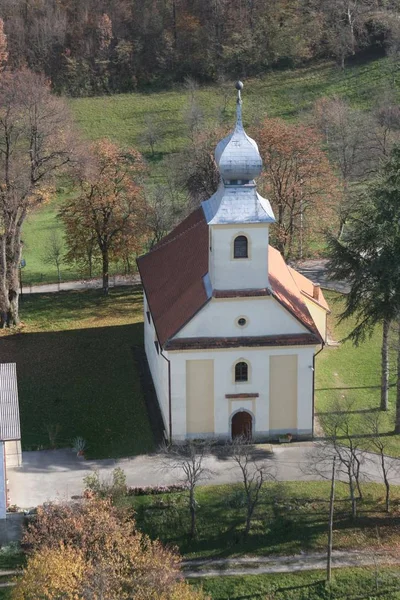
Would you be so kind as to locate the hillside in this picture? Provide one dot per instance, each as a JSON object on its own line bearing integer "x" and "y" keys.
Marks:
{"x": 124, "y": 118}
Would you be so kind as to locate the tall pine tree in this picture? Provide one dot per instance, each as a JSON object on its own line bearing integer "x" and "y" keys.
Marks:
{"x": 369, "y": 260}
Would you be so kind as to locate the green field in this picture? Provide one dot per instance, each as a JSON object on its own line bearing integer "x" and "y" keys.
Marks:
{"x": 289, "y": 94}
{"x": 351, "y": 376}
{"x": 292, "y": 517}
{"x": 76, "y": 372}
{"x": 352, "y": 584}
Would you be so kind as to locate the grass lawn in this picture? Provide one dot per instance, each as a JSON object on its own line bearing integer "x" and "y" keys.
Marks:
{"x": 38, "y": 228}
{"x": 352, "y": 374}
{"x": 287, "y": 94}
{"x": 284, "y": 93}
{"x": 291, "y": 517}
{"x": 353, "y": 583}
{"x": 76, "y": 372}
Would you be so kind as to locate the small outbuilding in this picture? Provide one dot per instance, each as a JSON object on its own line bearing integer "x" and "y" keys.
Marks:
{"x": 10, "y": 430}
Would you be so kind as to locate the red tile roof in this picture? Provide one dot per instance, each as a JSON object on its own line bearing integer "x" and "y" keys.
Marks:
{"x": 172, "y": 276}
{"x": 306, "y": 286}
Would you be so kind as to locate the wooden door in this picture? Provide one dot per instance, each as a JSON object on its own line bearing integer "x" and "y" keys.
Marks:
{"x": 242, "y": 424}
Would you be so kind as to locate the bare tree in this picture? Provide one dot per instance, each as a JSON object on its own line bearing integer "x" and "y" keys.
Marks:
{"x": 337, "y": 427}
{"x": 152, "y": 134}
{"x": 189, "y": 459}
{"x": 344, "y": 133}
{"x": 254, "y": 470}
{"x": 162, "y": 214}
{"x": 196, "y": 172}
{"x": 341, "y": 442}
{"x": 194, "y": 118}
{"x": 379, "y": 443}
{"x": 192, "y": 87}
{"x": 36, "y": 143}
{"x": 53, "y": 253}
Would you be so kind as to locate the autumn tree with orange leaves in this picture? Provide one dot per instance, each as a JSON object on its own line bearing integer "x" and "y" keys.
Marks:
{"x": 108, "y": 217}
{"x": 91, "y": 549}
{"x": 299, "y": 182}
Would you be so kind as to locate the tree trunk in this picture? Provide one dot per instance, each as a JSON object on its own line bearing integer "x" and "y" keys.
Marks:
{"x": 105, "y": 261}
{"x": 13, "y": 255}
{"x": 352, "y": 497}
{"x": 248, "y": 520}
{"x": 385, "y": 366}
{"x": 330, "y": 530}
{"x": 192, "y": 502}
{"x": 386, "y": 481}
{"x": 4, "y": 301}
{"x": 397, "y": 422}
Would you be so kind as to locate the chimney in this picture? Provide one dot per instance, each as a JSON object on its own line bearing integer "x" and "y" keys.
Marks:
{"x": 316, "y": 289}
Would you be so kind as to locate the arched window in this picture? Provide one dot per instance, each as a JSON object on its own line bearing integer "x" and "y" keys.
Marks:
{"x": 240, "y": 247}
{"x": 241, "y": 371}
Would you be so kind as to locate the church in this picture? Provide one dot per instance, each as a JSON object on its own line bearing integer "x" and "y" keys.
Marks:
{"x": 231, "y": 332}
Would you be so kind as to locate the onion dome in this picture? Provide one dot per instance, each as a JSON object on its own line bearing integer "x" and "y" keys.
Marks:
{"x": 237, "y": 155}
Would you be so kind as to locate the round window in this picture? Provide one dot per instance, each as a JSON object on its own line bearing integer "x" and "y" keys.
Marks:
{"x": 242, "y": 322}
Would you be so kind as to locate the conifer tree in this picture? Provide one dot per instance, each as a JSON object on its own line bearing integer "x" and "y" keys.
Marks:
{"x": 369, "y": 260}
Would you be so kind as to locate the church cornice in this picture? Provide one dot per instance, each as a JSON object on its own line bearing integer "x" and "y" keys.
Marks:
{"x": 209, "y": 343}
{"x": 254, "y": 293}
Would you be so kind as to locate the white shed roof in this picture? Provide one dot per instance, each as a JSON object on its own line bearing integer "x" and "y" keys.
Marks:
{"x": 9, "y": 407}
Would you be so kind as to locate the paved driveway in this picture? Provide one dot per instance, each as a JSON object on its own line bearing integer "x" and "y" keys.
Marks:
{"x": 58, "y": 474}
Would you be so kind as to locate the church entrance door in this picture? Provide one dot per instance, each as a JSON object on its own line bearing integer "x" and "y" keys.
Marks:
{"x": 242, "y": 424}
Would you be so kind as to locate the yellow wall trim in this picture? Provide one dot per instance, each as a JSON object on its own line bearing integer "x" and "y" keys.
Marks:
{"x": 283, "y": 377}
{"x": 200, "y": 396}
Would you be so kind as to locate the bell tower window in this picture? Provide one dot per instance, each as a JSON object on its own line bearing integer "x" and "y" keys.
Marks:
{"x": 240, "y": 247}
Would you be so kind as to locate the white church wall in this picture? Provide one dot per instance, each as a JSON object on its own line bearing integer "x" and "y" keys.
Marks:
{"x": 224, "y": 383}
{"x": 264, "y": 315}
{"x": 229, "y": 273}
{"x": 157, "y": 364}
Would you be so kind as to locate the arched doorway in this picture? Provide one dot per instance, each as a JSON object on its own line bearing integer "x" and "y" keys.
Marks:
{"x": 242, "y": 424}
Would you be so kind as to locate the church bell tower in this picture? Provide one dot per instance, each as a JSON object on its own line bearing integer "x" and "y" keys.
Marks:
{"x": 238, "y": 217}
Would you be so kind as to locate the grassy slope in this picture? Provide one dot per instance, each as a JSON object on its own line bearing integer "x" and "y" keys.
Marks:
{"x": 66, "y": 379}
{"x": 291, "y": 517}
{"x": 352, "y": 374}
{"x": 123, "y": 119}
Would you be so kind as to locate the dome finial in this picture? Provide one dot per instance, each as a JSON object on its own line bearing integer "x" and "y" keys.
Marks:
{"x": 237, "y": 155}
{"x": 239, "y": 122}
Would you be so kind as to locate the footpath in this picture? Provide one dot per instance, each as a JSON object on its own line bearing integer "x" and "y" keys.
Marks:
{"x": 83, "y": 284}
{"x": 260, "y": 565}
{"x": 314, "y": 269}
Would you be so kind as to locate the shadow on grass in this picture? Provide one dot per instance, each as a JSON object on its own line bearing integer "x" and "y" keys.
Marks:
{"x": 346, "y": 388}
{"x": 81, "y": 382}
{"x": 47, "y": 309}
{"x": 359, "y": 411}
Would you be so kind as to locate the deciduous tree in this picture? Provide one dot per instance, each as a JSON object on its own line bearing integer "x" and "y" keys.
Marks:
{"x": 110, "y": 207}
{"x": 89, "y": 549}
{"x": 299, "y": 182}
{"x": 37, "y": 143}
{"x": 190, "y": 460}
{"x": 254, "y": 472}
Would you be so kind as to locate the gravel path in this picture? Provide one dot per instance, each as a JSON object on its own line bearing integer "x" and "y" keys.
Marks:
{"x": 84, "y": 284}
{"x": 285, "y": 564}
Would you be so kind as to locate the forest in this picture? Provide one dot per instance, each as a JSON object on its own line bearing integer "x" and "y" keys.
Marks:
{"x": 94, "y": 47}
